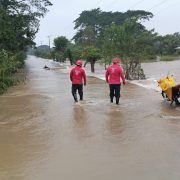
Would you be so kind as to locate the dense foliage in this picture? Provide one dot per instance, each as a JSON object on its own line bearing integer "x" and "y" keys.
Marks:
{"x": 123, "y": 35}
{"x": 93, "y": 23}
{"x": 104, "y": 35}
{"x": 19, "y": 22}
{"x": 110, "y": 32}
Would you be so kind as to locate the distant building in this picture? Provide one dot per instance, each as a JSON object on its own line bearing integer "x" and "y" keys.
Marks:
{"x": 177, "y": 48}
{"x": 43, "y": 48}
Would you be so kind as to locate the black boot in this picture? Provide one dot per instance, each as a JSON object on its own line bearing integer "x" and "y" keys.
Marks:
{"x": 75, "y": 97}
{"x": 81, "y": 97}
{"x": 177, "y": 102}
{"x": 117, "y": 101}
{"x": 111, "y": 99}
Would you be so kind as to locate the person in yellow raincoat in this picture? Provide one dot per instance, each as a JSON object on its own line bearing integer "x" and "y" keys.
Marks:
{"x": 170, "y": 90}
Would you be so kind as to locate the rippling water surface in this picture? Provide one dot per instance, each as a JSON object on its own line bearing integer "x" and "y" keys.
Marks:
{"x": 44, "y": 135}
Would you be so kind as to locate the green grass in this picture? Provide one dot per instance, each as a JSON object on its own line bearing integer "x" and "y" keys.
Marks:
{"x": 11, "y": 69}
{"x": 8, "y": 81}
{"x": 169, "y": 58}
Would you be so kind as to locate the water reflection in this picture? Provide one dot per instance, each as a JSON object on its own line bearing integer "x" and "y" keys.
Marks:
{"x": 80, "y": 121}
{"x": 23, "y": 139}
{"x": 115, "y": 124}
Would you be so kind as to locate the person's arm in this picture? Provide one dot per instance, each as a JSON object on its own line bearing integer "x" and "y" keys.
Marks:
{"x": 122, "y": 76}
{"x": 84, "y": 77}
{"x": 71, "y": 75}
{"x": 107, "y": 75}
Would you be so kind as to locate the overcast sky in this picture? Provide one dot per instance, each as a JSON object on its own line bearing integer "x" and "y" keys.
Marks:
{"x": 59, "y": 20}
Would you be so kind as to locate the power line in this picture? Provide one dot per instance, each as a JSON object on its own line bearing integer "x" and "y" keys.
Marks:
{"x": 97, "y": 3}
{"x": 158, "y": 4}
{"x": 158, "y": 12}
{"x": 137, "y": 3}
{"x": 110, "y": 4}
{"x": 69, "y": 25}
{"x": 134, "y": 5}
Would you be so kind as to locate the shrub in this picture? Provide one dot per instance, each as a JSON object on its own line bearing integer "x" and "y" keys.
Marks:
{"x": 9, "y": 64}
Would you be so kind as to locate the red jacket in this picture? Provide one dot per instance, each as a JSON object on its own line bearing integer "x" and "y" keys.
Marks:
{"x": 78, "y": 75}
{"x": 114, "y": 73}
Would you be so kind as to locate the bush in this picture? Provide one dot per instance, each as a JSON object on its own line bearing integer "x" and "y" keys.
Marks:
{"x": 9, "y": 64}
{"x": 43, "y": 54}
{"x": 3, "y": 87}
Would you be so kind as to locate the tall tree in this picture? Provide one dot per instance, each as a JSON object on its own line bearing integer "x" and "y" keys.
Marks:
{"x": 99, "y": 20}
{"x": 131, "y": 43}
{"x": 61, "y": 44}
{"x": 91, "y": 55}
{"x": 19, "y": 22}
{"x": 169, "y": 43}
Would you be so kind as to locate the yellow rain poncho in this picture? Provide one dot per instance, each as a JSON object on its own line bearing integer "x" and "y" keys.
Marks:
{"x": 166, "y": 85}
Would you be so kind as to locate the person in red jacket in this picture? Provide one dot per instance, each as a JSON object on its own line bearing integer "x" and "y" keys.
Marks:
{"x": 78, "y": 78}
{"x": 114, "y": 74}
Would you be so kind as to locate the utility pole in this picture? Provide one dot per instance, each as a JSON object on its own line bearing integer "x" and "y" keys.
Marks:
{"x": 49, "y": 38}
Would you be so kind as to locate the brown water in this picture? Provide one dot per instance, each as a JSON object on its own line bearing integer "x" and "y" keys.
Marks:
{"x": 45, "y": 136}
{"x": 162, "y": 68}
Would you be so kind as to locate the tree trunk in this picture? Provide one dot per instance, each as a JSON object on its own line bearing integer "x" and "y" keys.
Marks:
{"x": 71, "y": 61}
{"x": 92, "y": 66}
{"x": 85, "y": 63}
{"x": 105, "y": 66}
{"x": 133, "y": 71}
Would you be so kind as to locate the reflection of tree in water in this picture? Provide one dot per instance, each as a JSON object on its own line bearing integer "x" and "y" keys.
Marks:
{"x": 80, "y": 121}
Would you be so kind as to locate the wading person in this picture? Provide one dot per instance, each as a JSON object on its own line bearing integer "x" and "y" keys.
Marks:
{"x": 78, "y": 78}
{"x": 114, "y": 74}
{"x": 176, "y": 94}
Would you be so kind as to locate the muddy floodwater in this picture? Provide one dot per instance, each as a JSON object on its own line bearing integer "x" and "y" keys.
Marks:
{"x": 44, "y": 135}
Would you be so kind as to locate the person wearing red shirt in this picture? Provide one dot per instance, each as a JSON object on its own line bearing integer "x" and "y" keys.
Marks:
{"x": 78, "y": 78}
{"x": 114, "y": 74}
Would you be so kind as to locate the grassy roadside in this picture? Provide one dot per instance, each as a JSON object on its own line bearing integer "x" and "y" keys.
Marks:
{"x": 11, "y": 69}
{"x": 13, "y": 80}
{"x": 162, "y": 58}
{"x": 169, "y": 58}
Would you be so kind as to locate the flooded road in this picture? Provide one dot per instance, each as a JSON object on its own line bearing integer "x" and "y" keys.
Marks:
{"x": 44, "y": 135}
